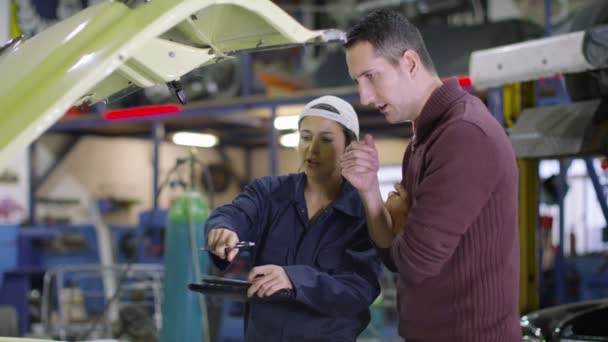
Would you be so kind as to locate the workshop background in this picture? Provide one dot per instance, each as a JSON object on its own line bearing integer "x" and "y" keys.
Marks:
{"x": 84, "y": 209}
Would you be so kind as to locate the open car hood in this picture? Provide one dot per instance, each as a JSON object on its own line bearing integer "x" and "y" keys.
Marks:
{"x": 118, "y": 44}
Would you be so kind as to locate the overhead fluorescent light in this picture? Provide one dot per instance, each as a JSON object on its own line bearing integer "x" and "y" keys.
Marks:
{"x": 195, "y": 139}
{"x": 286, "y": 122}
{"x": 287, "y": 116}
{"x": 290, "y": 140}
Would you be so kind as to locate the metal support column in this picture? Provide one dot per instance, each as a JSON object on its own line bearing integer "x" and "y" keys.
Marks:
{"x": 61, "y": 155}
{"x": 548, "y": 15}
{"x": 513, "y": 97}
{"x": 495, "y": 104}
{"x": 512, "y": 103}
{"x": 246, "y": 74}
{"x": 528, "y": 225}
{"x": 31, "y": 156}
{"x": 273, "y": 144}
{"x": 540, "y": 248}
{"x": 559, "y": 272}
{"x": 157, "y": 136}
{"x": 599, "y": 191}
{"x": 248, "y": 164}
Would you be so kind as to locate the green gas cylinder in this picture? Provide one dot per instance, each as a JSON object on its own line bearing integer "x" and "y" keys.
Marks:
{"x": 375, "y": 330}
{"x": 184, "y": 314}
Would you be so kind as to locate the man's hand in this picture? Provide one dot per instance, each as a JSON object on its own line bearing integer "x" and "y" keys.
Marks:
{"x": 266, "y": 280}
{"x": 360, "y": 167}
{"x": 360, "y": 164}
{"x": 397, "y": 206}
{"x": 222, "y": 241}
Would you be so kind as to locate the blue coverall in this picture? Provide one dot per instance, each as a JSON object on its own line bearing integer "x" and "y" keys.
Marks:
{"x": 331, "y": 262}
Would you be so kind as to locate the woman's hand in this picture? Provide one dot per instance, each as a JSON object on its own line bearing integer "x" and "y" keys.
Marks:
{"x": 266, "y": 280}
{"x": 222, "y": 242}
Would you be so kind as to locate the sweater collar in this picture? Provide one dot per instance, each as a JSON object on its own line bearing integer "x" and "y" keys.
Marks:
{"x": 438, "y": 103}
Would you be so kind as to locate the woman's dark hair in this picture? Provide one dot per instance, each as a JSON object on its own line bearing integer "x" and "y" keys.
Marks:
{"x": 349, "y": 136}
{"x": 391, "y": 34}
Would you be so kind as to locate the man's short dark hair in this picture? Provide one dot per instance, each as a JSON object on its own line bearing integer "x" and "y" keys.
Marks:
{"x": 390, "y": 33}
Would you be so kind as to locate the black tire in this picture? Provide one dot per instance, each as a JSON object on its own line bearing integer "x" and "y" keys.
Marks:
{"x": 9, "y": 326}
{"x": 583, "y": 86}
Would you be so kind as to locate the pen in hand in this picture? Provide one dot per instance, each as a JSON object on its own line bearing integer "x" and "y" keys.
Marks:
{"x": 240, "y": 244}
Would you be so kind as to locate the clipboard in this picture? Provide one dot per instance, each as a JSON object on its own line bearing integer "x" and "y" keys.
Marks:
{"x": 236, "y": 290}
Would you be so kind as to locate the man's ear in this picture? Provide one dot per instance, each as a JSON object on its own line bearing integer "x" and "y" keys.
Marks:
{"x": 410, "y": 62}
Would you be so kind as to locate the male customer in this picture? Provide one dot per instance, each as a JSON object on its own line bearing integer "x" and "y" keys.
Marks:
{"x": 456, "y": 250}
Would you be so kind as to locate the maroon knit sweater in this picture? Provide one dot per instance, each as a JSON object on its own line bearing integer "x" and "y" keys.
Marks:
{"x": 458, "y": 259}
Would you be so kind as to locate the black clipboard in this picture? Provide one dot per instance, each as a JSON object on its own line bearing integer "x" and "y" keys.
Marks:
{"x": 236, "y": 290}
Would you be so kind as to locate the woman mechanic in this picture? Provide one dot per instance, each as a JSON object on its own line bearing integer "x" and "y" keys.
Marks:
{"x": 311, "y": 237}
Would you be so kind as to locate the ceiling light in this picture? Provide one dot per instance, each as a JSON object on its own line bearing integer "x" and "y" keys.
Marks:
{"x": 290, "y": 140}
{"x": 286, "y": 122}
{"x": 195, "y": 139}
